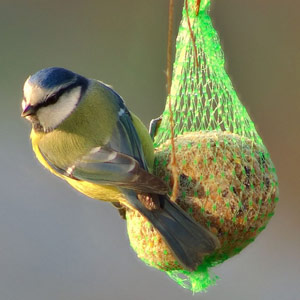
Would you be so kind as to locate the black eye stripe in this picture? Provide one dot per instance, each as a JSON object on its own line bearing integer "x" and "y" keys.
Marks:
{"x": 52, "y": 99}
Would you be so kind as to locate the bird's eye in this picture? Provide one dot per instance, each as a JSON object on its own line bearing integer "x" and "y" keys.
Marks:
{"x": 52, "y": 99}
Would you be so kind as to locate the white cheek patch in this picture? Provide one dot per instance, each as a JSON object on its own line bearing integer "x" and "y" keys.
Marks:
{"x": 52, "y": 115}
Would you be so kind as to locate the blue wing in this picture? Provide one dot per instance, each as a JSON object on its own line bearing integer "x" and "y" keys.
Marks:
{"x": 103, "y": 165}
{"x": 125, "y": 138}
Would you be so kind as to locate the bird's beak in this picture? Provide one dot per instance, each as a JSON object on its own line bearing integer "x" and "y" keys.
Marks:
{"x": 29, "y": 110}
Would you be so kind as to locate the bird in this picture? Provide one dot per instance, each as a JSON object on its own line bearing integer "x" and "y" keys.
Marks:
{"x": 83, "y": 133}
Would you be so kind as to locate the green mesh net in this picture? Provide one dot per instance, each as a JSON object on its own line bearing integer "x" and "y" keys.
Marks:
{"x": 202, "y": 96}
{"x": 227, "y": 181}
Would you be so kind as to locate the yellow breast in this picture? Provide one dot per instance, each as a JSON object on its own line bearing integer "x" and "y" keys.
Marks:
{"x": 92, "y": 190}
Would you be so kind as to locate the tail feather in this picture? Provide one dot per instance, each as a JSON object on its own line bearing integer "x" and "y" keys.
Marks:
{"x": 188, "y": 240}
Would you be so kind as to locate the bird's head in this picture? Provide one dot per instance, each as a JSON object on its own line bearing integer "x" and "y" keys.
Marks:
{"x": 50, "y": 96}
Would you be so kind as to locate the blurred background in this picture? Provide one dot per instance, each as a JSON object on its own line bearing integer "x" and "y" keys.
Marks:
{"x": 57, "y": 244}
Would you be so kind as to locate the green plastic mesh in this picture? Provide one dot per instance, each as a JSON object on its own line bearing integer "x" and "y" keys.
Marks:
{"x": 203, "y": 97}
{"x": 227, "y": 181}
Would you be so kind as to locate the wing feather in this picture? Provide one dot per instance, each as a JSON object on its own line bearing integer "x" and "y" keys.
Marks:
{"x": 105, "y": 166}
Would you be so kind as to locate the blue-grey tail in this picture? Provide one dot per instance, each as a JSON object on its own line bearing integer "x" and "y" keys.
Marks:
{"x": 188, "y": 240}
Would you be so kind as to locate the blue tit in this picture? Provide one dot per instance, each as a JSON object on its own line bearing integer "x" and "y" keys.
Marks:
{"x": 83, "y": 132}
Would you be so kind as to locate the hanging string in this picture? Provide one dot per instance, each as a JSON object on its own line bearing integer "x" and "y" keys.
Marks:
{"x": 169, "y": 85}
{"x": 191, "y": 30}
{"x": 198, "y": 7}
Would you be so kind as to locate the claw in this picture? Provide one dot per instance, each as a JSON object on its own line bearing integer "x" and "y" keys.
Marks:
{"x": 121, "y": 209}
{"x": 153, "y": 127}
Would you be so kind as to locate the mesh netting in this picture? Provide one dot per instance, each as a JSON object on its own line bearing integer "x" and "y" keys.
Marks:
{"x": 227, "y": 181}
{"x": 202, "y": 94}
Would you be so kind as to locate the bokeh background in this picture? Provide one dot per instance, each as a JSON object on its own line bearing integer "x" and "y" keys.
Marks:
{"x": 57, "y": 244}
